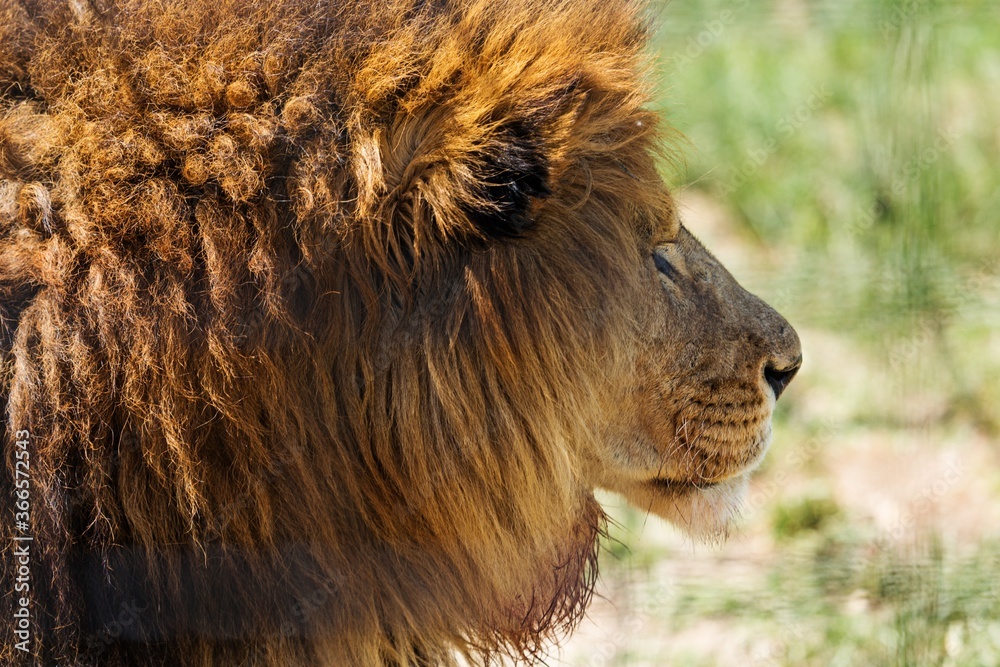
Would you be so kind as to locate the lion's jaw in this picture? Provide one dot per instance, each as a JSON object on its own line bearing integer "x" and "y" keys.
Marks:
{"x": 705, "y": 509}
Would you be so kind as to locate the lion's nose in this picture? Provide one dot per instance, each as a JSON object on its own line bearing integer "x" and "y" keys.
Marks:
{"x": 779, "y": 378}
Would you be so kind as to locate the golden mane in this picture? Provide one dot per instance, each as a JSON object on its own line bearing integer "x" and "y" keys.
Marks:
{"x": 301, "y": 373}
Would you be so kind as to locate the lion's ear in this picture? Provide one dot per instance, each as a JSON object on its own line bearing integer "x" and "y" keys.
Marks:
{"x": 507, "y": 180}
{"x": 446, "y": 172}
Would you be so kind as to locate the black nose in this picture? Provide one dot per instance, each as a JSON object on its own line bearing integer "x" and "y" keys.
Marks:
{"x": 779, "y": 378}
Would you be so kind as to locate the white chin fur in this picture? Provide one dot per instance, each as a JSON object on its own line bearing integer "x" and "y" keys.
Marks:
{"x": 704, "y": 514}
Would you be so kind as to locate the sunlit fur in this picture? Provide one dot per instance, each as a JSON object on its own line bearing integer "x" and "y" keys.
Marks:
{"x": 286, "y": 367}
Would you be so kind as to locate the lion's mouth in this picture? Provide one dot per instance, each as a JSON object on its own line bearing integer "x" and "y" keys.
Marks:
{"x": 683, "y": 486}
{"x": 705, "y": 469}
{"x": 679, "y": 482}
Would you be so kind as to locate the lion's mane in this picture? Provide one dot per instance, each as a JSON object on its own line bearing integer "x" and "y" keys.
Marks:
{"x": 301, "y": 380}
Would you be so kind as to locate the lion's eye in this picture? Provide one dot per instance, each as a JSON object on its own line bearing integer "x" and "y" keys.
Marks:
{"x": 663, "y": 265}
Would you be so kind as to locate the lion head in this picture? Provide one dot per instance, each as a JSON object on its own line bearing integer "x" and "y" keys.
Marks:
{"x": 712, "y": 360}
{"x": 321, "y": 324}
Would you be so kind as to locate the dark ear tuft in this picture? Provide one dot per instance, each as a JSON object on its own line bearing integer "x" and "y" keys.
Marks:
{"x": 513, "y": 176}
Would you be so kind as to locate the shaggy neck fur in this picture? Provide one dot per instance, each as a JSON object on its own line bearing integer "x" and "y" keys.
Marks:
{"x": 305, "y": 375}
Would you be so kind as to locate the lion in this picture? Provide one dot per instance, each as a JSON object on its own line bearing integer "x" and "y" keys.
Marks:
{"x": 322, "y": 322}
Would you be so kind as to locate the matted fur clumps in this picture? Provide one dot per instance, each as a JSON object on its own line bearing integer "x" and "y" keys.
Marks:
{"x": 300, "y": 303}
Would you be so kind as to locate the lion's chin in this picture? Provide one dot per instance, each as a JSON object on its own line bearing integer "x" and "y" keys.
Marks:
{"x": 705, "y": 512}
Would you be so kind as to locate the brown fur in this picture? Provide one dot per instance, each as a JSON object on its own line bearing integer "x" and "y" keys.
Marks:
{"x": 326, "y": 319}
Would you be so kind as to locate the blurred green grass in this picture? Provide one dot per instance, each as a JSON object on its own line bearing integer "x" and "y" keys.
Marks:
{"x": 850, "y": 152}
